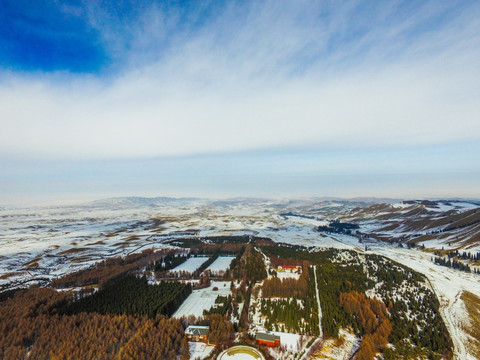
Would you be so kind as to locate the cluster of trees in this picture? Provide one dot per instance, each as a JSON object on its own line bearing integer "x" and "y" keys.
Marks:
{"x": 30, "y": 323}
{"x": 223, "y": 306}
{"x": 289, "y": 315}
{"x": 466, "y": 255}
{"x": 221, "y": 330}
{"x": 276, "y": 261}
{"x": 186, "y": 243}
{"x": 373, "y": 318}
{"x": 197, "y": 246}
{"x": 284, "y": 315}
{"x": 452, "y": 263}
{"x": 203, "y": 282}
{"x": 222, "y": 248}
{"x": 109, "y": 269}
{"x": 296, "y": 310}
{"x": 290, "y": 213}
{"x": 160, "y": 339}
{"x": 206, "y": 264}
{"x": 334, "y": 279}
{"x": 233, "y": 269}
{"x": 287, "y": 287}
{"x": 296, "y": 254}
{"x": 133, "y": 296}
{"x": 169, "y": 262}
{"x": 249, "y": 266}
{"x": 338, "y": 227}
{"x": 418, "y": 328}
{"x": 234, "y": 239}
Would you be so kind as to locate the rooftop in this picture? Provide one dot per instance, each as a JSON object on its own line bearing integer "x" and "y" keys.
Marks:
{"x": 265, "y": 336}
{"x": 197, "y": 330}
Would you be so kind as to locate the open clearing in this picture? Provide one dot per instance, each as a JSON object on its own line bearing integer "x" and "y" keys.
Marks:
{"x": 191, "y": 264}
{"x": 203, "y": 299}
{"x": 342, "y": 348}
{"x": 199, "y": 350}
{"x": 221, "y": 264}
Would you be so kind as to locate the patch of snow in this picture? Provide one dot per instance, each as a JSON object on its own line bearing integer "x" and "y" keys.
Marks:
{"x": 343, "y": 350}
{"x": 199, "y": 350}
{"x": 221, "y": 264}
{"x": 191, "y": 264}
{"x": 202, "y": 299}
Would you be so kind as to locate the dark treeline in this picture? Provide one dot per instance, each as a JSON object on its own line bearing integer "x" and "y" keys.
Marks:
{"x": 465, "y": 255}
{"x": 276, "y": 261}
{"x": 170, "y": 261}
{"x": 338, "y": 227}
{"x": 133, "y": 296}
{"x": 207, "y": 263}
{"x": 333, "y": 280}
{"x": 109, "y": 269}
{"x": 293, "y": 312}
{"x": 239, "y": 239}
{"x": 249, "y": 266}
{"x": 223, "y": 306}
{"x": 297, "y": 215}
{"x": 452, "y": 263}
{"x": 451, "y": 260}
{"x": 288, "y": 287}
{"x": 275, "y": 287}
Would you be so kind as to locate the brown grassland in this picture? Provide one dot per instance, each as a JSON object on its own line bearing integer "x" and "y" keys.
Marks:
{"x": 472, "y": 304}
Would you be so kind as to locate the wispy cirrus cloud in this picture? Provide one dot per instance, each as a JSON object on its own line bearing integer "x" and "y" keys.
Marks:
{"x": 253, "y": 75}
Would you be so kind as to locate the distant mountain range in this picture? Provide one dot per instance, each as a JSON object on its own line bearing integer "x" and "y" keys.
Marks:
{"x": 136, "y": 201}
{"x": 152, "y": 201}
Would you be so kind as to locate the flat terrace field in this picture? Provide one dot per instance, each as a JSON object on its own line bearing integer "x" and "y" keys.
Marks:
{"x": 221, "y": 264}
{"x": 203, "y": 299}
{"x": 191, "y": 264}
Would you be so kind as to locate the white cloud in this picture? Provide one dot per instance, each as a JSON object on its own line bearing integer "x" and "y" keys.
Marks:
{"x": 276, "y": 76}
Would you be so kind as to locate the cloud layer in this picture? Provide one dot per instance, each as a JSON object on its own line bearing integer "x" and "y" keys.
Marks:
{"x": 243, "y": 76}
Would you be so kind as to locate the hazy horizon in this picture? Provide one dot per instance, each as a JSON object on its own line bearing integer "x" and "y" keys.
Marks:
{"x": 221, "y": 99}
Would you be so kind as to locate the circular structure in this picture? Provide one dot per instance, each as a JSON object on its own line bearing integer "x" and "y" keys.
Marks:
{"x": 241, "y": 352}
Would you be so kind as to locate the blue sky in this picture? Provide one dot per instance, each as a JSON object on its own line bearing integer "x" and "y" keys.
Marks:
{"x": 273, "y": 98}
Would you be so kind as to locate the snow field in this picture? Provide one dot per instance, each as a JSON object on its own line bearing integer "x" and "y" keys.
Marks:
{"x": 286, "y": 274}
{"x": 289, "y": 341}
{"x": 221, "y": 264}
{"x": 202, "y": 299}
{"x": 191, "y": 264}
{"x": 199, "y": 350}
